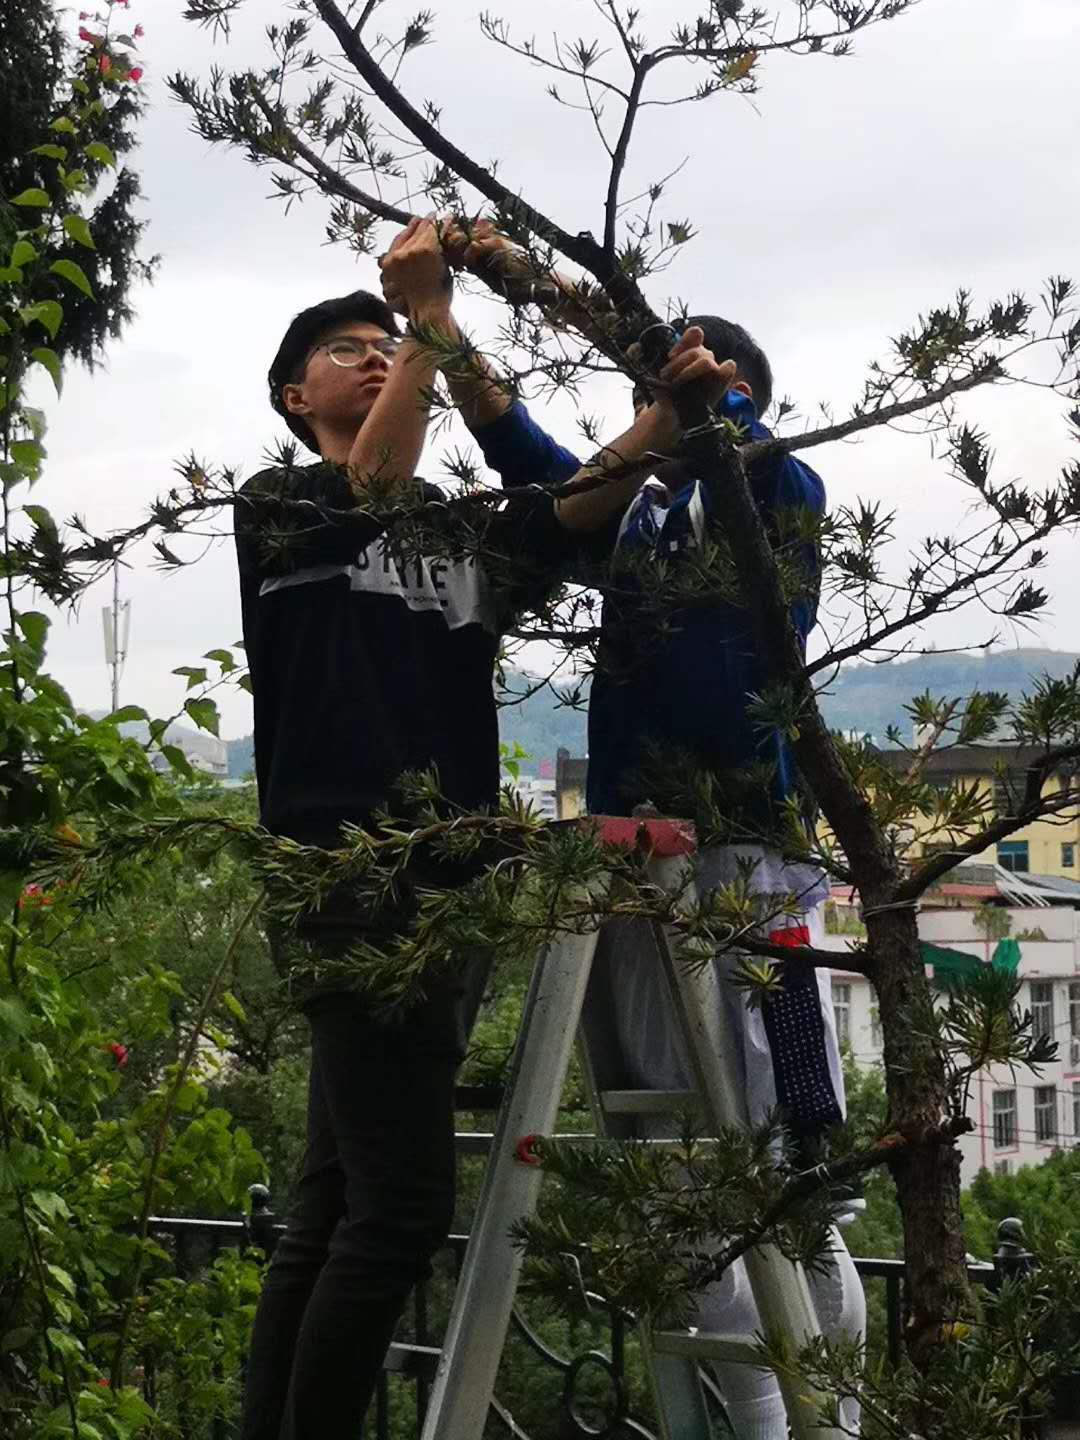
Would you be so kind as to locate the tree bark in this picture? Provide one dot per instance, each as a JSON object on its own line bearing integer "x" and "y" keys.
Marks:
{"x": 927, "y": 1176}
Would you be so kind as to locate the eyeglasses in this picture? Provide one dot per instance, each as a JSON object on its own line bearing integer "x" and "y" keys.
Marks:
{"x": 347, "y": 353}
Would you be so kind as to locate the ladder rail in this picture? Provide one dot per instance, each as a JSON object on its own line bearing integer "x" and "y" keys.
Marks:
{"x": 480, "y": 1317}
{"x": 779, "y": 1285}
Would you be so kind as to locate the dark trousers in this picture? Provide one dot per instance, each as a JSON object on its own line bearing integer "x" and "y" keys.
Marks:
{"x": 375, "y": 1200}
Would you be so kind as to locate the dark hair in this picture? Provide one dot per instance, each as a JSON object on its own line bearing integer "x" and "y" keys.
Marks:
{"x": 305, "y": 331}
{"x": 729, "y": 341}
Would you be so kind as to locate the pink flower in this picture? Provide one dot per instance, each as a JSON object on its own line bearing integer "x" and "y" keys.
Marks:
{"x": 105, "y": 64}
{"x": 85, "y": 34}
{"x": 139, "y": 32}
{"x": 136, "y": 73}
{"x": 119, "y": 1053}
{"x": 84, "y": 14}
{"x": 32, "y": 897}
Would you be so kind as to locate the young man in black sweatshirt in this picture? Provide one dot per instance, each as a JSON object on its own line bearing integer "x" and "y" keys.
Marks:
{"x": 367, "y": 662}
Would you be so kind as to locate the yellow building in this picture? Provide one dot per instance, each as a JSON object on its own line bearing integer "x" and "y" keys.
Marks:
{"x": 1047, "y": 847}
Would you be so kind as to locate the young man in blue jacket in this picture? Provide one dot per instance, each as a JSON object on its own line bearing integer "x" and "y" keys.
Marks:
{"x": 680, "y": 693}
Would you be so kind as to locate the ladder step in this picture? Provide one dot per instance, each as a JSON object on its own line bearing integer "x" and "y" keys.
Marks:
{"x": 649, "y": 1102}
{"x": 479, "y": 1142}
{"x": 703, "y": 1345}
{"x": 416, "y": 1361}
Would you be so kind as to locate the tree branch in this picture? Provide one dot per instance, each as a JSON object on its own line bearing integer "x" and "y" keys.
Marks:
{"x": 496, "y": 32}
{"x": 366, "y": 66}
{"x": 805, "y": 955}
{"x": 847, "y": 810}
{"x": 718, "y": 53}
{"x": 327, "y": 176}
{"x": 933, "y": 604}
{"x": 803, "y": 1186}
{"x": 762, "y": 450}
{"x": 609, "y": 9}
{"x": 618, "y": 158}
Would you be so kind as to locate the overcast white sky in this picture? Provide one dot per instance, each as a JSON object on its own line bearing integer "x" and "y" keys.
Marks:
{"x": 857, "y": 193}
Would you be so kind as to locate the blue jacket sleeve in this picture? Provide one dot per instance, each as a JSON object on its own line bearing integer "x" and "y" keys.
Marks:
{"x": 520, "y": 453}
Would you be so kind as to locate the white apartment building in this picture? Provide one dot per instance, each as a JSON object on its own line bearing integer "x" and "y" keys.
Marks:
{"x": 539, "y": 792}
{"x": 1020, "y": 1117}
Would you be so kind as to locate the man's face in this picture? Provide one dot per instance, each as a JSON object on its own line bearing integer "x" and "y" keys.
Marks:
{"x": 343, "y": 375}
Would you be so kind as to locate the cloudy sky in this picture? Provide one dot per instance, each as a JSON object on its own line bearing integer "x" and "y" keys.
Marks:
{"x": 851, "y": 196}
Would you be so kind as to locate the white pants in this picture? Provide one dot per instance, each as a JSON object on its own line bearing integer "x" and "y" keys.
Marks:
{"x": 652, "y": 1049}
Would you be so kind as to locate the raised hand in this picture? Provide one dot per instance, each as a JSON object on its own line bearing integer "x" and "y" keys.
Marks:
{"x": 690, "y": 361}
{"x": 416, "y": 279}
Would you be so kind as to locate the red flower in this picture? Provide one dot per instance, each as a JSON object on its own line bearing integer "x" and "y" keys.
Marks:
{"x": 84, "y": 14}
{"x": 135, "y": 73}
{"x": 85, "y": 34}
{"x": 139, "y": 32}
{"x": 33, "y": 897}
{"x": 105, "y": 64}
{"x": 119, "y": 1053}
{"x": 103, "y": 1381}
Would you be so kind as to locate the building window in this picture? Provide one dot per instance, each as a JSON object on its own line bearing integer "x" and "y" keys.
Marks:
{"x": 1042, "y": 1008}
{"x": 877, "y": 1039}
{"x": 1001, "y": 1167}
{"x": 1076, "y": 1109}
{"x": 1074, "y": 1009}
{"x": 1046, "y": 1114}
{"x": 841, "y": 1006}
{"x": 1004, "y": 1119}
{"x": 1068, "y": 855}
{"x": 1013, "y": 855}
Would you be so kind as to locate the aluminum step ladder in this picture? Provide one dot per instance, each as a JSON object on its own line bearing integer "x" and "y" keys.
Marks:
{"x": 555, "y": 1008}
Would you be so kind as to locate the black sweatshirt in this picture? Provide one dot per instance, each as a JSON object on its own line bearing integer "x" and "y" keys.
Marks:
{"x": 365, "y": 664}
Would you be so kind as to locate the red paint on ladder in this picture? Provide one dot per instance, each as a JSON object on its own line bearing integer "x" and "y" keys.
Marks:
{"x": 525, "y": 1150}
{"x": 662, "y": 838}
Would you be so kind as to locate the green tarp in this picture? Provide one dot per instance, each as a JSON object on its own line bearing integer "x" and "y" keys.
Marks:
{"x": 949, "y": 963}
{"x": 958, "y": 963}
{"x": 1007, "y": 955}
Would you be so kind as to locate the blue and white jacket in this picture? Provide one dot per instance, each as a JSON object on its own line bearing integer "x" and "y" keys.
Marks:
{"x": 691, "y": 689}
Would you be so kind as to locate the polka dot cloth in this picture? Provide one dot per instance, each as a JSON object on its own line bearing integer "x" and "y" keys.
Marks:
{"x": 796, "y": 1034}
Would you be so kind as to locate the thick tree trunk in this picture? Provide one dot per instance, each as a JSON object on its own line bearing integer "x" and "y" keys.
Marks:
{"x": 927, "y": 1175}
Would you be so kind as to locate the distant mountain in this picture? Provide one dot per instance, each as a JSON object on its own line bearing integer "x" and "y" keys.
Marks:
{"x": 241, "y": 755}
{"x": 867, "y": 698}
{"x": 870, "y": 698}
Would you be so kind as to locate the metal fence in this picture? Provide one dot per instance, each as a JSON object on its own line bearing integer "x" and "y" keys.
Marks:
{"x": 589, "y": 1387}
{"x": 195, "y": 1244}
